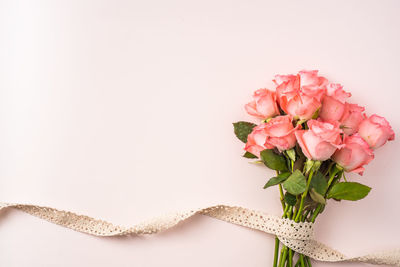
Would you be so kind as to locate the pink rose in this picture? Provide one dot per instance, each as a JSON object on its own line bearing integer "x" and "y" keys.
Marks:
{"x": 300, "y": 95}
{"x": 336, "y": 91}
{"x": 256, "y": 140}
{"x": 308, "y": 82}
{"x": 287, "y": 85}
{"x": 333, "y": 103}
{"x": 321, "y": 140}
{"x": 352, "y": 117}
{"x": 278, "y": 132}
{"x": 311, "y": 83}
{"x": 354, "y": 154}
{"x": 301, "y": 106}
{"x": 376, "y": 130}
{"x": 264, "y": 105}
{"x": 279, "y": 79}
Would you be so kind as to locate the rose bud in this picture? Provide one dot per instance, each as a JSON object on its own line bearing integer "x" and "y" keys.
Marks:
{"x": 321, "y": 140}
{"x": 264, "y": 105}
{"x": 333, "y": 103}
{"x": 354, "y": 154}
{"x": 352, "y": 117}
{"x": 280, "y": 133}
{"x": 376, "y": 130}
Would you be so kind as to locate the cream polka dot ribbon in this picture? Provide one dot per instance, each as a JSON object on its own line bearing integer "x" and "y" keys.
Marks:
{"x": 297, "y": 236}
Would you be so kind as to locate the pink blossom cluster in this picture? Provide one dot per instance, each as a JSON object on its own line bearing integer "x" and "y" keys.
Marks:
{"x": 309, "y": 110}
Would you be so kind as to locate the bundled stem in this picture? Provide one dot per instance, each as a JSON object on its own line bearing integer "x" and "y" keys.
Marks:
{"x": 301, "y": 214}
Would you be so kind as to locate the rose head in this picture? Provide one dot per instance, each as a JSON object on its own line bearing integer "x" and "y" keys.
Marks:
{"x": 376, "y": 130}
{"x": 280, "y": 133}
{"x": 321, "y": 140}
{"x": 277, "y": 132}
{"x": 354, "y": 154}
{"x": 301, "y": 106}
{"x": 264, "y": 105}
{"x": 312, "y": 84}
{"x": 300, "y": 95}
{"x": 353, "y": 115}
{"x": 287, "y": 85}
{"x": 256, "y": 140}
{"x": 333, "y": 102}
{"x": 336, "y": 91}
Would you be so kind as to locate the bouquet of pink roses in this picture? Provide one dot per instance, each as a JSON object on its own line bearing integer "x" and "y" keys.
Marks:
{"x": 310, "y": 136}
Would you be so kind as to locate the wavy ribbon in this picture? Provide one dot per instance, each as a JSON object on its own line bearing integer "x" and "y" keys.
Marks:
{"x": 297, "y": 236}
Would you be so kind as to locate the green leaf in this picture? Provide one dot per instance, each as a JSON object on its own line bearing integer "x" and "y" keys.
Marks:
{"x": 277, "y": 180}
{"x": 317, "y": 197}
{"x": 349, "y": 191}
{"x": 291, "y": 154}
{"x": 242, "y": 129}
{"x": 296, "y": 183}
{"x": 290, "y": 199}
{"x": 319, "y": 183}
{"x": 273, "y": 160}
{"x": 249, "y": 155}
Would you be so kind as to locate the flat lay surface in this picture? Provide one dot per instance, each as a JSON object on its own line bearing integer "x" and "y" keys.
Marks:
{"x": 122, "y": 111}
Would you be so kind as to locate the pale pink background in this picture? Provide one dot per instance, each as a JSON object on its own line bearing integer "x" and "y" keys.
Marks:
{"x": 122, "y": 110}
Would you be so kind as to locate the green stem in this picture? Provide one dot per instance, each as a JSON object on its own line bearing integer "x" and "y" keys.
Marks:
{"x": 289, "y": 215}
{"x": 302, "y": 260}
{"x": 299, "y": 217}
{"x": 282, "y": 196}
{"x": 284, "y": 207}
{"x": 319, "y": 207}
{"x": 332, "y": 176}
{"x": 314, "y": 217}
{"x": 281, "y": 256}
{"x": 316, "y": 212}
{"x": 308, "y": 261}
{"x": 276, "y": 252}
{"x": 303, "y": 197}
{"x": 291, "y": 252}
{"x": 284, "y": 250}
{"x": 304, "y": 217}
{"x": 283, "y": 259}
{"x": 285, "y": 211}
{"x": 290, "y": 258}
